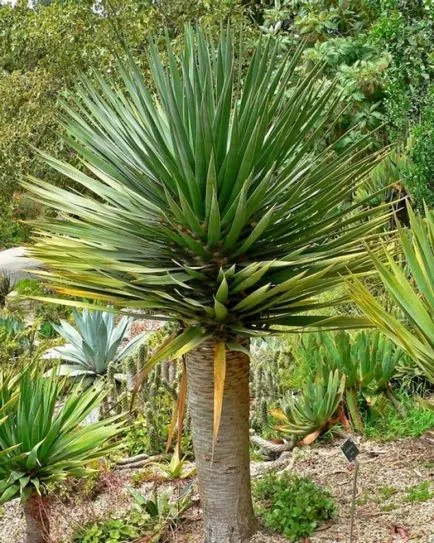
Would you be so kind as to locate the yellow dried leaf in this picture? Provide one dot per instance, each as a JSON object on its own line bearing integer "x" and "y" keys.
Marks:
{"x": 219, "y": 385}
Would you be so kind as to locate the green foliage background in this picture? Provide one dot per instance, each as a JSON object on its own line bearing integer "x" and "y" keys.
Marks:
{"x": 382, "y": 52}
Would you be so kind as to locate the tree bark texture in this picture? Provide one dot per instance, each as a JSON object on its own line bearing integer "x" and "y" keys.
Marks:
{"x": 37, "y": 520}
{"x": 224, "y": 481}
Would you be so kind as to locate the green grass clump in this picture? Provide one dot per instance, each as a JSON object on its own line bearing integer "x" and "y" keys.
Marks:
{"x": 391, "y": 425}
{"x": 419, "y": 493}
{"x": 293, "y": 506}
{"x": 389, "y": 507}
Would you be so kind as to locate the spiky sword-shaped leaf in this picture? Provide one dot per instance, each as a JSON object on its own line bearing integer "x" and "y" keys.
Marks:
{"x": 411, "y": 288}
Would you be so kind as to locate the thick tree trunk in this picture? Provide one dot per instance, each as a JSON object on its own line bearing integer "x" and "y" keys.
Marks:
{"x": 224, "y": 483}
{"x": 37, "y": 521}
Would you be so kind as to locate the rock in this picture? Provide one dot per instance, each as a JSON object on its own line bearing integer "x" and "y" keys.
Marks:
{"x": 17, "y": 264}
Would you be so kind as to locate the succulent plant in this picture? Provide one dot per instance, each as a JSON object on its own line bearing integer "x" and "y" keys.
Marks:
{"x": 314, "y": 410}
{"x": 93, "y": 344}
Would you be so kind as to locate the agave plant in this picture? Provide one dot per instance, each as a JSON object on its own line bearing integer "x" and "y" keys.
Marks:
{"x": 93, "y": 344}
{"x": 209, "y": 201}
{"x": 314, "y": 411}
{"x": 411, "y": 288}
{"x": 10, "y": 327}
{"x": 41, "y": 443}
{"x": 368, "y": 361}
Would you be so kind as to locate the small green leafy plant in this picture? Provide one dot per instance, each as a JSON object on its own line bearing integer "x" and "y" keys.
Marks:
{"x": 126, "y": 528}
{"x": 293, "y": 506}
{"x": 148, "y": 518}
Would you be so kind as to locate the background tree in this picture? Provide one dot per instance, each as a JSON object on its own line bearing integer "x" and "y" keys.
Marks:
{"x": 210, "y": 204}
{"x": 381, "y": 51}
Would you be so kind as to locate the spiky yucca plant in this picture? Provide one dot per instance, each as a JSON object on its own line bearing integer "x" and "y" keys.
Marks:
{"x": 41, "y": 443}
{"x": 208, "y": 202}
{"x": 411, "y": 288}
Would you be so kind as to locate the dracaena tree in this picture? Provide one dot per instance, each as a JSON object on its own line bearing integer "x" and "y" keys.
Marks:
{"x": 208, "y": 201}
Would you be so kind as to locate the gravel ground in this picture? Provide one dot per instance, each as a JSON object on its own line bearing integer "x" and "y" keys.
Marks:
{"x": 383, "y": 512}
{"x": 387, "y": 471}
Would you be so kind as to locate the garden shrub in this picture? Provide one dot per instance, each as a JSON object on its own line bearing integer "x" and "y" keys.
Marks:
{"x": 406, "y": 29}
{"x": 293, "y": 506}
{"x": 419, "y": 175}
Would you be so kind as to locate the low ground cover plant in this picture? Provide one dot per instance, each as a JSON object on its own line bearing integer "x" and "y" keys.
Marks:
{"x": 293, "y": 506}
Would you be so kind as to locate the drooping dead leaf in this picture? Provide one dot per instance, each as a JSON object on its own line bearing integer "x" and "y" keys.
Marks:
{"x": 343, "y": 419}
{"x": 177, "y": 421}
{"x": 219, "y": 386}
{"x": 277, "y": 413}
{"x": 309, "y": 438}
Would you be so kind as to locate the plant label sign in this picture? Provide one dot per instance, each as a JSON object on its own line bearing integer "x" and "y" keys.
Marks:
{"x": 350, "y": 450}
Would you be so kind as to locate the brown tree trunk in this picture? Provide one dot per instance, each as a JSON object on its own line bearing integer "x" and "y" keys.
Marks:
{"x": 224, "y": 484}
{"x": 37, "y": 521}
